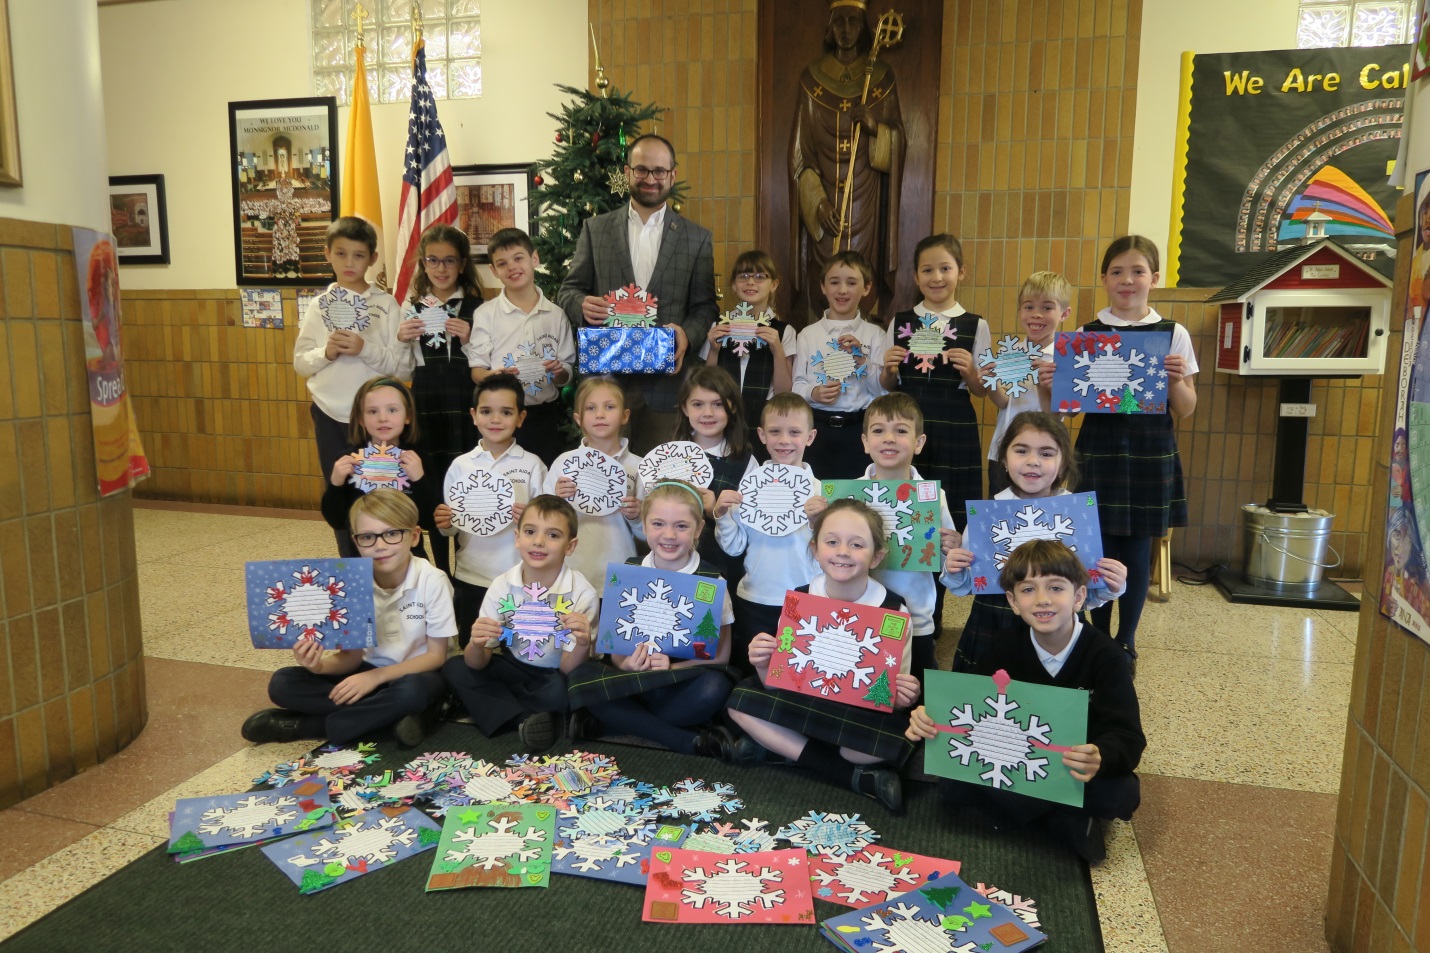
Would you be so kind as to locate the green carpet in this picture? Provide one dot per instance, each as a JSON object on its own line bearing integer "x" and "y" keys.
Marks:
{"x": 240, "y": 902}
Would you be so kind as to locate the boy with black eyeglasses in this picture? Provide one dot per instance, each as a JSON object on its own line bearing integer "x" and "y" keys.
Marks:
{"x": 346, "y": 695}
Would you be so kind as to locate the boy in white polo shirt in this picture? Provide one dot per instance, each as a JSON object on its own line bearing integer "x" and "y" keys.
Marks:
{"x": 346, "y": 695}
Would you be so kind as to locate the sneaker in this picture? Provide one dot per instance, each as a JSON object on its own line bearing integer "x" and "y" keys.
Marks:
{"x": 715, "y": 743}
{"x": 881, "y": 784}
{"x": 539, "y": 731}
{"x": 582, "y": 726}
{"x": 272, "y": 724}
{"x": 411, "y": 729}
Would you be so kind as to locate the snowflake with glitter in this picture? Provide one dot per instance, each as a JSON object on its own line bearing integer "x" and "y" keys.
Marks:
{"x": 1013, "y": 368}
{"x": 1000, "y": 742}
{"x": 1024, "y": 908}
{"x": 309, "y": 604}
{"x": 433, "y": 313}
{"x": 834, "y": 835}
{"x": 834, "y": 364}
{"x": 695, "y": 799}
{"x": 532, "y": 627}
{"x": 600, "y": 480}
{"x": 378, "y": 466}
{"x": 481, "y": 502}
{"x": 252, "y": 815}
{"x": 343, "y": 310}
{"x": 744, "y": 325}
{"x": 529, "y": 360}
{"x": 904, "y": 929}
{"x": 1031, "y": 525}
{"x": 734, "y": 888}
{"x": 631, "y": 307}
{"x": 868, "y": 876}
{"x": 925, "y": 340}
{"x": 834, "y": 651}
{"x": 773, "y": 498}
{"x": 654, "y": 617}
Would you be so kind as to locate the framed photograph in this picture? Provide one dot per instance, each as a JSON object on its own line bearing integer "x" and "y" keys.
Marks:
{"x": 9, "y": 121}
{"x": 139, "y": 219}
{"x": 284, "y": 155}
{"x": 490, "y": 198}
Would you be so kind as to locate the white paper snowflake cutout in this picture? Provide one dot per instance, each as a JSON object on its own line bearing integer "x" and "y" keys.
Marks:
{"x": 654, "y": 618}
{"x": 530, "y": 370}
{"x": 896, "y": 514}
{"x": 834, "y": 364}
{"x": 599, "y": 817}
{"x": 697, "y": 801}
{"x": 438, "y": 764}
{"x": 379, "y": 466}
{"x": 733, "y": 889}
{"x": 593, "y": 853}
{"x": 433, "y": 314}
{"x": 1013, "y": 368}
{"x": 492, "y": 848}
{"x": 481, "y": 502}
{"x": 334, "y": 760}
{"x": 310, "y": 605}
{"x": 903, "y": 929}
{"x": 870, "y": 874}
{"x": 1031, "y": 525}
{"x": 999, "y": 742}
{"x": 751, "y": 838}
{"x": 1109, "y": 373}
{"x": 252, "y": 816}
{"x": 631, "y": 307}
{"x": 834, "y": 651}
{"x": 375, "y": 843}
{"x": 834, "y": 835}
{"x": 343, "y": 310}
{"x": 1024, "y": 908}
{"x": 926, "y": 341}
{"x": 600, "y": 480}
{"x": 677, "y": 460}
{"x": 744, "y": 326}
{"x": 531, "y": 625}
{"x": 774, "y": 497}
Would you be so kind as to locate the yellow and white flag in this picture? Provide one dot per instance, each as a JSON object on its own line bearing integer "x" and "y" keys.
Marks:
{"x": 360, "y": 196}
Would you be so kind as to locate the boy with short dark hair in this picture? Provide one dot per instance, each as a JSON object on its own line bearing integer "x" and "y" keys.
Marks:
{"x": 337, "y": 362}
{"x": 1046, "y": 585}
{"x": 521, "y": 323}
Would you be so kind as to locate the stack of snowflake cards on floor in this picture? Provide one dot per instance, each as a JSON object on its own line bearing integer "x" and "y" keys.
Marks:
{"x": 630, "y": 342}
{"x": 1098, "y": 372}
{"x": 911, "y": 514}
{"x": 673, "y": 613}
{"x": 246, "y": 819}
{"x": 357, "y": 845}
{"x": 1003, "y": 734}
{"x": 495, "y": 845}
{"x": 611, "y": 838}
{"x": 843, "y": 651}
{"x": 874, "y": 874}
{"x": 997, "y": 527}
{"x": 943, "y": 916}
{"x": 688, "y": 886}
{"x": 328, "y": 601}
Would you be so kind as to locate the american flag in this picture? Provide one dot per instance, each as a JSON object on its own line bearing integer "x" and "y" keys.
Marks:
{"x": 428, "y": 195}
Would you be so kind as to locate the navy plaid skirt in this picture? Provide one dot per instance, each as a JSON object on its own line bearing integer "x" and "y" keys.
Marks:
{"x": 1131, "y": 462}
{"x": 593, "y": 682}
{"x": 876, "y": 733}
{"x": 442, "y": 391}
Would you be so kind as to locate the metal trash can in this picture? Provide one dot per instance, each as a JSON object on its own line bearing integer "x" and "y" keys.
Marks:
{"x": 1286, "y": 551}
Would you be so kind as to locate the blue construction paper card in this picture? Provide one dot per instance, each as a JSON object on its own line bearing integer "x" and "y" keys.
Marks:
{"x": 945, "y": 914}
{"x": 1101, "y": 372}
{"x": 672, "y": 612}
{"x": 997, "y": 527}
{"x": 615, "y": 350}
{"x": 200, "y": 822}
{"x": 358, "y": 845}
{"x": 622, "y": 859}
{"x": 327, "y": 600}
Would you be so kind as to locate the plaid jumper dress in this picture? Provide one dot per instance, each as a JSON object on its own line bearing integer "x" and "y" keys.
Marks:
{"x": 755, "y": 388}
{"x": 442, "y": 390}
{"x": 728, "y": 472}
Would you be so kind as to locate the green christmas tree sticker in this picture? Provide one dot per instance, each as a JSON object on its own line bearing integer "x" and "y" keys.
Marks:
{"x": 879, "y": 692}
{"x": 709, "y": 633}
{"x": 940, "y": 896}
{"x": 314, "y": 880}
{"x": 187, "y": 844}
{"x": 428, "y": 836}
{"x": 1129, "y": 403}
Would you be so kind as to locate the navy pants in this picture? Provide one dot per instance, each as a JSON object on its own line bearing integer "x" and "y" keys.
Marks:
{"x": 1135, "y": 552}
{"x": 1102, "y": 797}
{"x": 505, "y": 692}
{"x": 665, "y": 715}
{"x": 467, "y": 599}
{"x": 333, "y": 442}
{"x": 297, "y": 689}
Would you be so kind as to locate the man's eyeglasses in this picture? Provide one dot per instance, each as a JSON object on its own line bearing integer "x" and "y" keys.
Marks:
{"x": 444, "y": 262}
{"x": 369, "y": 540}
{"x": 655, "y": 175}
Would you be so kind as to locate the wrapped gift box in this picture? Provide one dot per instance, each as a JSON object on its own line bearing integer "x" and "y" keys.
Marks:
{"x": 626, "y": 350}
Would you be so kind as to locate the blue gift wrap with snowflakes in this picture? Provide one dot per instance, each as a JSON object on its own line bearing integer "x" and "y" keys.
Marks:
{"x": 626, "y": 350}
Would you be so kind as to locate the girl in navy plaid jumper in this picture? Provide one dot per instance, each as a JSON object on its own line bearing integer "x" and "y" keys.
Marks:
{"x": 711, "y": 414}
{"x": 763, "y": 371}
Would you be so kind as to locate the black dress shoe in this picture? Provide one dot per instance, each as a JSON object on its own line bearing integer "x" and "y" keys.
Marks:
{"x": 881, "y": 784}
{"x": 582, "y": 726}
{"x": 539, "y": 731}
{"x": 272, "y": 724}
{"x": 715, "y": 743}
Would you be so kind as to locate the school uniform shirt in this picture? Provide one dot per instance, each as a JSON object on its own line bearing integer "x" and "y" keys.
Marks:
{"x": 480, "y": 559}
{"x": 1181, "y": 338}
{"x": 815, "y": 339}
{"x": 727, "y": 614}
{"x": 1053, "y": 662}
{"x": 604, "y": 539}
{"x": 333, "y": 384}
{"x": 417, "y": 610}
{"x": 773, "y": 564}
{"x": 960, "y": 583}
{"x": 982, "y": 337}
{"x": 500, "y": 329}
{"x": 917, "y": 588}
{"x": 569, "y": 583}
{"x": 789, "y": 340}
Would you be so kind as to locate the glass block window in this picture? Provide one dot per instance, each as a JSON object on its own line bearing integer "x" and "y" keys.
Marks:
{"x": 1322, "y": 23}
{"x": 452, "y": 29}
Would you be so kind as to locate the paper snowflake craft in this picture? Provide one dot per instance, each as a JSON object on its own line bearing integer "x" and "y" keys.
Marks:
{"x": 834, "y": 652}
{"x": 1024, "y": 908}
{"x": 481, "y": 502}
{"x": 401, "y": 787}
{"x": 1031, "y": 525}
{"x": 904, "y": 928}
{"x": 436, "y": 765}
{"x": 677, "y": 460}
{"x": 926, "y": 340}
{"x": 374, "y": 840}
{"x": 694, "y": 799}
{"x": 310, "y": 605}
{"x": 332, "y": 764}
{"x": 495, "y": 846}
{"x": 999, "y": 741}
{"x": 631, "y": 307}
{"x": 433, "y": 314}
{"x": 637, "y": 793}
{"x": 1109, "y": 374}
{"x": 252, "y": 816}
{"x": 833, "y": 364}
{"x": 773, "y": 498}
{"x": 896, "y": 510}
{"x": 379, "y": 466}
{"x": 558, "y": 778}
{"x": 601, "y": 481}
{"x": 733, "y": 888}
{"x": 332, "y": 760}
{"x": 744, "y": 326}
{"x": 482, "y": 782}
{"x": 343, "y": 310}
{"x": 1013, "y": 368}
{"x": 532, "y": 627}
{"x": 834, "y": 835}
{"x": 751, "y": 837}
{"x": 869, "y": 876}
{"x": 654, "y": 618}
{"x": 356, "y": 846}
{"x": 530, "y": 370}
{"x": 593, "y": 855}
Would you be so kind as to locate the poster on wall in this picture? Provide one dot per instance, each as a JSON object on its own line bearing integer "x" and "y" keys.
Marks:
{"x": 262, "y": 307}
{"x": 490, "y": 198}
{"x": 283, "y": 155}
{"x": 118, "y": 455}
{"x": 1280, "y": 148}
{"x": 1405, "y": 592}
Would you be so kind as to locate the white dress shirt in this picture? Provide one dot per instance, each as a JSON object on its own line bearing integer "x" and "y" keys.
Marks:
{"x": 645, "y": 241}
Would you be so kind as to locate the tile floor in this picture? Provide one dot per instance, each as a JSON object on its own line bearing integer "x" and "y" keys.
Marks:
{"x": 1230, "y": 850}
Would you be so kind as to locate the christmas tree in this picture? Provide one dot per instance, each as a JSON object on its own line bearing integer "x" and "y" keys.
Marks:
{"x": 707, "y": 634}
{"x": 1129, "y": 403}
{"x": 586, "y": 174}
{"x": 189, "y": 842}
{"x": 940, "y": 896}
{"x": 879, "y": 692}
{"x": 314, "y": 880}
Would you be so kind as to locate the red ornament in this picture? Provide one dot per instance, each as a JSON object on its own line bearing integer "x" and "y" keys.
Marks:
{"x": 558, "y": 135}
{"x": 595, "y": 138}
{"x": 537, "y": 180}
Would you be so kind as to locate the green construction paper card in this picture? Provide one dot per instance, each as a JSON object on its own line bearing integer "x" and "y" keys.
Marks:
{"x": 911, "y": 513}
{"x": 1007, "y": 735}
{"x": 495, "y": 845}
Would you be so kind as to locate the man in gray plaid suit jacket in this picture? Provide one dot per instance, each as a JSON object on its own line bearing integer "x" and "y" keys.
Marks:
{"x": 647, "y": 243}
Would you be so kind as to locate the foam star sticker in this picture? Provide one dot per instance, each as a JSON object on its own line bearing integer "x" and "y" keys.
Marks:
{"x": 977, "y": 911}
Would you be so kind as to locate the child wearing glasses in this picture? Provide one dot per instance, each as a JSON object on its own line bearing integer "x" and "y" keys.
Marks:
{"x": 520, "y": 332}
{"x": 766, "y": 367}
{"x": 345, "y": 696}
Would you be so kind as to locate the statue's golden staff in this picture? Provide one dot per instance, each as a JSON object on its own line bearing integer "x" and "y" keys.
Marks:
{"x": 888, "y": 32}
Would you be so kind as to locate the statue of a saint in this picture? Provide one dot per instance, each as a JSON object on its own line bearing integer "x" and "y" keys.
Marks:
{"x": 836, "y": 207}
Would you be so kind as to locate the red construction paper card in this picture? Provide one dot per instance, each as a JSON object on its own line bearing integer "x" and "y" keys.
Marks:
{"x": 843, "y": 651}
{"x": 691, "y": 886}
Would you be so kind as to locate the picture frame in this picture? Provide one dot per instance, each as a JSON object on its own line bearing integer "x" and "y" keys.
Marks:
{"x": 492, "y": 197}
{"x": 9, "y": 118}
{"x": 283, "y": 156}
{"x": 139, "y": 219}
